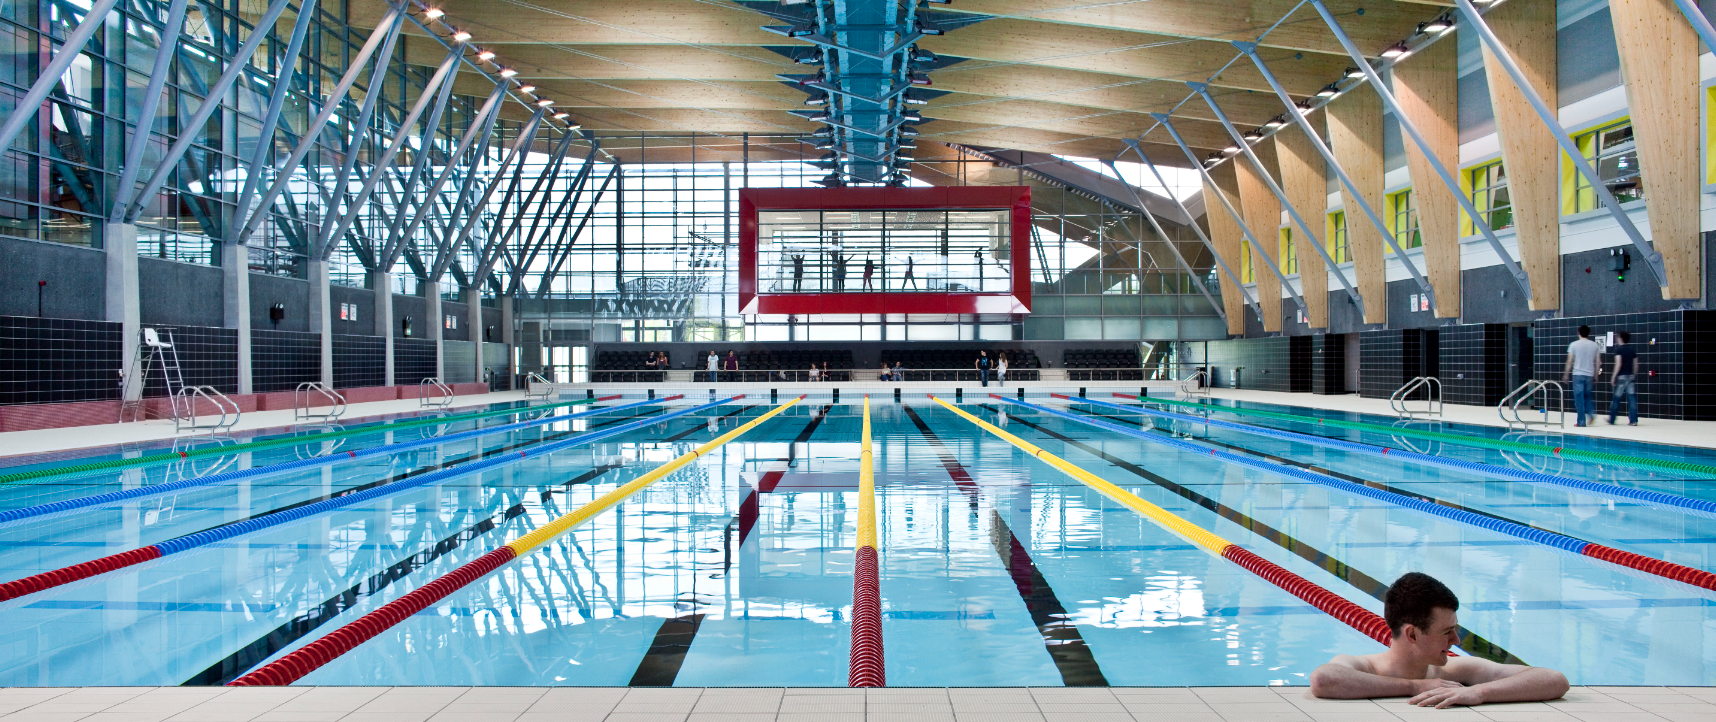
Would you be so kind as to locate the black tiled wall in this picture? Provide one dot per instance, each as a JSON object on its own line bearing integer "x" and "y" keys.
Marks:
{"x": 280, "y": 360}
{"x": 1390, "y": 357}
{"x": 1329, "y": 364}
{"x": 52, "y": 360}
{"x": 207, "y": 357}
{"x": 413, "y": 360}
{"x": 1698, "y": 386}
{"x": 1659, "y": 339}
{"x": 359, "y": 361}
{"x": 1472, "y": 363}
{"x": 1299, "y": 364}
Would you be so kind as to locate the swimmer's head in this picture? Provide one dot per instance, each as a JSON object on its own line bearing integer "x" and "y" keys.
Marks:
{"x": 1420, "y": 612}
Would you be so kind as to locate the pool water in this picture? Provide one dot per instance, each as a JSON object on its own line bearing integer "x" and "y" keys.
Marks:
{"x": 736, "y": 570}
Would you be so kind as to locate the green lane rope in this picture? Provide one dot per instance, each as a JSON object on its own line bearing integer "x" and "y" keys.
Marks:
{"x": 94, "y": 467}
{"x": 1462, "y": 439}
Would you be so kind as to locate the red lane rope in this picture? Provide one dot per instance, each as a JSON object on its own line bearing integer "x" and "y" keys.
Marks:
{"x": 1353, "y": 615}
{"x": 308, "y": 658}
{"x": 867, "y": 668}
{"x": 67, "y": 575}
{"x": 1670, "y": 570}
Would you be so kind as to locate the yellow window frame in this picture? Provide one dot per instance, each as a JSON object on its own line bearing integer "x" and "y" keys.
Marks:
{"x": 1394, "y": 202}
{"x": 1469, "y": 186}
{"x": 1288, "y": 254}
{"x": 1338, "y": 240}
{"x": 1246, "y": 273}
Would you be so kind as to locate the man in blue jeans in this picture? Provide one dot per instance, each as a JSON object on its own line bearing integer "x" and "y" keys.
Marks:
{"x": 1626, "y": 369}
{"x": 1582, "y": 360}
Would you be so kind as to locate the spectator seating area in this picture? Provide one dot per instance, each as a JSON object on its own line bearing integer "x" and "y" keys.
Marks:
{"x": 624, "y": 367}
{"x": 960, "y": 364}
{"x": 1102, "y": 365}
{"x": 784, "y": 365}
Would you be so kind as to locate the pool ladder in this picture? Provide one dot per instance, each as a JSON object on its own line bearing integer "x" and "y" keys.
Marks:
{"x": 1197, "y": 384}
{"x": 532, "y": 381}
{"x": 431, "y": 392}
{"x": 1534, "y": 392}
{"x": 305, "y": 397}
{"x": 1401, "y": 398}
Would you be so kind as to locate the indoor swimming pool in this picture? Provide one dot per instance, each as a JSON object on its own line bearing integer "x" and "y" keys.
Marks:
{"x": 148, "y": 567}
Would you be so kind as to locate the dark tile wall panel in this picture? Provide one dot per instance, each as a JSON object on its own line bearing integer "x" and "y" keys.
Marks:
{"x": 207, "y": 357}
{"x": 1659, "y": 339}
{"x": 53, "y": 360}
{"x": 1698, "y": 386}
{"x": 1472, "y": 363}
{"x": 359, "y": 361}
{"x": 413, "y": 361}
{"x": 1388, "y": 358}
{"x": 1329, "y": 364}
{"x": 1299, "y": 364}
{"x": 1267, "y": 362}
{"x": 280, "y": 360}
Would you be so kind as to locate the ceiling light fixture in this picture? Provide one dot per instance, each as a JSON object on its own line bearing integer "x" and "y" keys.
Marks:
{"x": 1327, "y": 91}
{"x": 545, "y": 102}
{"x": 1396, "y": 50}
{"x": 1439, "y": 25}
{"x": 1355, "y": 72}
{"x": 508, "y": 72}
{"x": 461, "y": 36}
{"x": 561, "y": 115}
{"x": 485, "y": 55}
{"x": 527, "y": 88}
{"x": 433, "y": 13}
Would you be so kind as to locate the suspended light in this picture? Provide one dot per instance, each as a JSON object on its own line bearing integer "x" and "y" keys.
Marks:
{"x": 1355, "y": 72}
{"x": 929, "y": 28}
{"x": 922, "y": 56}
{"x": 920, "y": 79}
{"x": 823, "y": 132}
{"x": 561, "y": 115}
{"x": 816, "y": 100}
{"x": 461, "y": 36}
{"x": 1439, "y": 25}
{"x": 527, "y": 88}
{"x": 908, "y": 145}
{"x": 1327, "y": 91}
{"x": 904, "y": 157}
{"x": 1230, "y": 150}
{"x": 544, "y": 102}
{"x": 485, "y": 55}
{"x": 908, "y": 131}
{"x": 433, "y": 13}
{"x": 1396, "y": 50}
{"x": 912, "y": 116}
{"x": 508, "y": 72}
{"x": 1275, "y": 122}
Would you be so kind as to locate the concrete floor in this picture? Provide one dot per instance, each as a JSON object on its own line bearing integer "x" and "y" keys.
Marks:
{"x": 1016, "y": 704}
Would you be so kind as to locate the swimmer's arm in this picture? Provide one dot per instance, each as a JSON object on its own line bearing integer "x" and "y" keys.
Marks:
{"x": 1349, "y": 677}
{"x": 1488, "y": 681}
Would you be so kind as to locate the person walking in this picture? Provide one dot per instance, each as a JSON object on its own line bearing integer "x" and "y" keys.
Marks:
{"x": 1581, "y": 369}
{"x": 983, "y": 366}
{"x": 869, "y": 271}
{"x": 911, "y": 276}
{"x": 797, "y": 273}
{"x": 1001, "y": 369}
{"x": 1626, "y": 369}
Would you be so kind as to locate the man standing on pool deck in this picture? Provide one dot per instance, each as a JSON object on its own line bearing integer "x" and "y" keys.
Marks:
{"x": 1420, "y": 614}
{"x": 1582, "y": 360}
{"x": 1626, "y": 369}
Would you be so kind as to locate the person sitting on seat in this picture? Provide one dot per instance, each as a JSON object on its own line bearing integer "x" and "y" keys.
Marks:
{"x": 815, "y": 373}
{"x": 1420, "y": 615}
{"x": 884, "y": 374}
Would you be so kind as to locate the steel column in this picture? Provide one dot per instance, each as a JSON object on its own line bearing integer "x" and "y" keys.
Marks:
{"x": 400, "y": 238}
{"x": 1193, "y": 157}
{"x": 25, "y": 110}
{"x": 1475, "y": 21}
{"x": 384, "y": 31}
{"x": 1411, "y": 131}
{"x": 486, "y": 257}
{"x": 146, "y": 114}
{"x": 1293, "y": 109}
{"x": 1203, "y": 90}
{"x": 439, "y": 89}
{"x": 359, "y": 135}
{"x": 566, "y": 247}
{"x": 535, "y": 243}
{"x": 276, "y": 102}
{"x": 1133, "y": 144}
{"x": 446, "y": 247}
{"x": 1699, "y": 22}
{"x": 1143, "y": 211}
{"x": 212, "y": 102}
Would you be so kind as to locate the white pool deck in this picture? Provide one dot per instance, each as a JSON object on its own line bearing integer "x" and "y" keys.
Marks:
{"x": 1015, "y": 704}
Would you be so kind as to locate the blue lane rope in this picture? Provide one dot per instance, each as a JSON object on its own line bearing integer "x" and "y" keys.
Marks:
{"x": 1475, "y": 467}
{"x": 220, "y": 533}
{"x": 1547, "y": 538}
{"x": 11, "y": 516}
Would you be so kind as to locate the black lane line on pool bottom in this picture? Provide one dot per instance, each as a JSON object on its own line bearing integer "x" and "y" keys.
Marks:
{"x": 660, "y": 665}
{"x": 247, "y": 657}
{"x": 1475, "y": 645}
{"x": 1072, "y": 657}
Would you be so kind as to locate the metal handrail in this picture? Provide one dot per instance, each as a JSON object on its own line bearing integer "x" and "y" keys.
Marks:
{"x": 1527, "y": 391}
{"x": 303, "y": 397}
{"x": 432, "y": 384}
{"x": 1432, "y": 397}
{"x": 187, "y": 418}
{"x": 531, "y": 381}
{"x": 1202, "y": 388}
{"x": 1555, "y": 465}
{"x": 1430, "y": 448}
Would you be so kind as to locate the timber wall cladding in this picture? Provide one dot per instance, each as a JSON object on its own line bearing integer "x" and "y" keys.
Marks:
{"x": 1262, "y": 212}
{"x": 1225, "y": 237}
{"x": 1303, "y": 177}
{"x": 1355, "y": 132}
{"x": 1529, "y": 152}
{"x": 1656, "y": 40}
{"x": 1427, "y": 86}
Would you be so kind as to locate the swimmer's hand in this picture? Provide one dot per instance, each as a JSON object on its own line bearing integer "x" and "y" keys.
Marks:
{"x": 1445, "y": 693}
